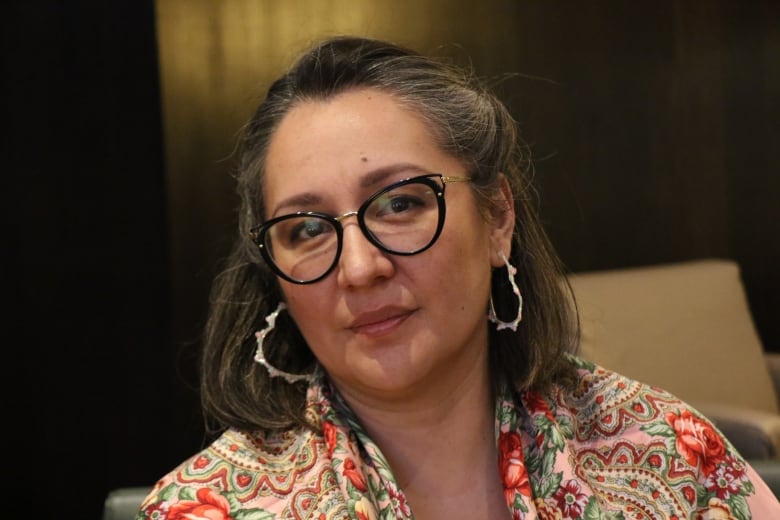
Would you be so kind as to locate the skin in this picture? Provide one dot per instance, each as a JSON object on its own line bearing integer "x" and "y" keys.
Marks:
{"x": 404, "y": 339}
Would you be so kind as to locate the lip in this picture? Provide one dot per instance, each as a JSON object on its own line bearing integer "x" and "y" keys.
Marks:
{"x": 380, "y": 321}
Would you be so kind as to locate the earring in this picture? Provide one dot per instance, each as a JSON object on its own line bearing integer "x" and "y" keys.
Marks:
{"x": 500, "y": 325}
{"x": 260, "y": 355}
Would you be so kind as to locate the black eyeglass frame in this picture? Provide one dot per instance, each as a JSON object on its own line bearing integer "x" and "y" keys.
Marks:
{"x": 258, "y": 233}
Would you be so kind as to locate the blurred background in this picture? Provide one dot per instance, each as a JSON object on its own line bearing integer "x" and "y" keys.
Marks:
{"x": 654, "y": 126}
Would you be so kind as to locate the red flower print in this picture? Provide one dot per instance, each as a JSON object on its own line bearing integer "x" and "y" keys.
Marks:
{"x": 722, "y": 482}
{"x": 654, "y": 460}
{"x": 398, "y": 499}
{"x": 737, "y": 468}
{"x": 209, "y": 505}
{"x": 536, "y": 404}
{"x": 201, "y": 462}
{"x": 512, "y": 466}
{"x": 350, "y": 471}
{"x": 156, "y": 510}
{"x": 690, "y": 494}
{"x": 697, "y": 441}
{"x": 329, "y": 432}
{"x": 571, "y": 501}
{"x": 509, "y": 442}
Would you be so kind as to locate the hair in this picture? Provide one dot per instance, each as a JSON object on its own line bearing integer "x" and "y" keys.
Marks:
{"x": 469, "y": 122}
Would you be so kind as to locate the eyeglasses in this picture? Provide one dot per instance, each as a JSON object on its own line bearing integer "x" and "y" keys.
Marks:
{"x": 404, "y": 218}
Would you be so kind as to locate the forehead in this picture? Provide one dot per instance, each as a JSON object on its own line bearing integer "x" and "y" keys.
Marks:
{"x": 338, "y": 143}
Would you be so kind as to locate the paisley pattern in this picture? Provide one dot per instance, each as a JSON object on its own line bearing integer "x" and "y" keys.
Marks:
{"x": 611, "y": 449}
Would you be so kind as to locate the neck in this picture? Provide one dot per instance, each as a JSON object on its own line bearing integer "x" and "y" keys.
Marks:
{"x": 461, "y": 406}
{"x": 440, "y": 446}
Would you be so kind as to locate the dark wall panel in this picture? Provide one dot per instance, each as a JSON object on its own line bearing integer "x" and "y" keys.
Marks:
{"x": 654, "y": 127}
{"x": 90, "y": 368}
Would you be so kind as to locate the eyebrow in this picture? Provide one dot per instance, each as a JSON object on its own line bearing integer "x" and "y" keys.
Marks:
{"x": 371, "y": 179}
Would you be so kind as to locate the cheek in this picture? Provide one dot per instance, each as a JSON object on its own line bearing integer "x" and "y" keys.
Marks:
{"x": 459, "y": 267}
{"x": 466, "y": 245}
{"x": 305, "y": 306}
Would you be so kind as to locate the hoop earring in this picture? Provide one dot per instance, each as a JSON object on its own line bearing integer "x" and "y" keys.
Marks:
{"x": 260, "y": 355}
{"x": 501, "y": 325}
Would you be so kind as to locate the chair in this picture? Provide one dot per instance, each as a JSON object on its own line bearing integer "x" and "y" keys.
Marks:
{"x": 686, "y": 327}
{"x": 124, "y": 503}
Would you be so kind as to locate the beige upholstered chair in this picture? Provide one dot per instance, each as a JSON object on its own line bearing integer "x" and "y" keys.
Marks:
{"x": 687, "y": 328}
{"x": 124, "y": 503}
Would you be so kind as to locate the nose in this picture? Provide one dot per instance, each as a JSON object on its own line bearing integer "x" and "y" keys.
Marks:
{"x": 361, "y": 262}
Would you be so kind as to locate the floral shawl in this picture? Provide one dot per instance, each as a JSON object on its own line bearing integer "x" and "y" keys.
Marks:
{"x": 611, "y": 449}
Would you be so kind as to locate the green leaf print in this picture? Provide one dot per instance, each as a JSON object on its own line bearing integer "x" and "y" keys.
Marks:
{"x": 252, "y": 514}
{"x": 549, "y": 485}
{"x": 187, "y": 493}
{"x": 662, "y": 429}
{"x": 739, "y": 507}
{"x": 593, "y": 512}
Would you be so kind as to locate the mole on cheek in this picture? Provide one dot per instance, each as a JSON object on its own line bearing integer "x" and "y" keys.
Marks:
{"x": 364, "y": 158}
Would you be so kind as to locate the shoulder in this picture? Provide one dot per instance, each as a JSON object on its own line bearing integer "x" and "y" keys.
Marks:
{"x": 627, "y": 438}
{"x": 599, "y": 390}
{"x": 605, "y": 405}
{"x": 247, "y": 471}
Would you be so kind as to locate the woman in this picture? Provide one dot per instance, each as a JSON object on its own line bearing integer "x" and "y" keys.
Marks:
{"x": 365, "y": 355}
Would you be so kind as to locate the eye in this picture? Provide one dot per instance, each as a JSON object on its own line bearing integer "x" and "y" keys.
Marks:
{"x": 407, "y": 201}
{"x": 393, "y": 204}
{"x": 307, "y": 229}
{"x": 301, "y": 231}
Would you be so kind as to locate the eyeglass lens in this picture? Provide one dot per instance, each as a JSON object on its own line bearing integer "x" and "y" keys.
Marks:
{"x": 401, "y": 220}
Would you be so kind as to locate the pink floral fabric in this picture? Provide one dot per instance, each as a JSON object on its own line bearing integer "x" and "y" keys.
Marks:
{"x": 611, "y": 449}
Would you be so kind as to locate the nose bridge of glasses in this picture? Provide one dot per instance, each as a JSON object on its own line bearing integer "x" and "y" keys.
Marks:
{"x": 362, "y": 231}
{"x": 345, "y": 216}
{"x": 356, "y": 213}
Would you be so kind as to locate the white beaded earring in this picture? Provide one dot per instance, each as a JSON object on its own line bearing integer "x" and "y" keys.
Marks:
{"x": 260, "y": 355}
{"x": 501, "y": 325}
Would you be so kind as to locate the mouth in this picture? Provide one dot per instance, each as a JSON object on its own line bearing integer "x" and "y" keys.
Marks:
{"x": 379, "y": 322}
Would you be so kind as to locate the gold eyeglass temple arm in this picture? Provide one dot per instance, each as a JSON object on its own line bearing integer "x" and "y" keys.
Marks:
{"x": 447, "y": 179}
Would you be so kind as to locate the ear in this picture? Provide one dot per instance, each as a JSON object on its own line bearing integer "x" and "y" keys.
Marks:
{"x": 502, "y": 225}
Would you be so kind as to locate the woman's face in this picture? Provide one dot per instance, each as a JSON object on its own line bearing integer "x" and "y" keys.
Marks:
{"x": 384, "y": 326}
